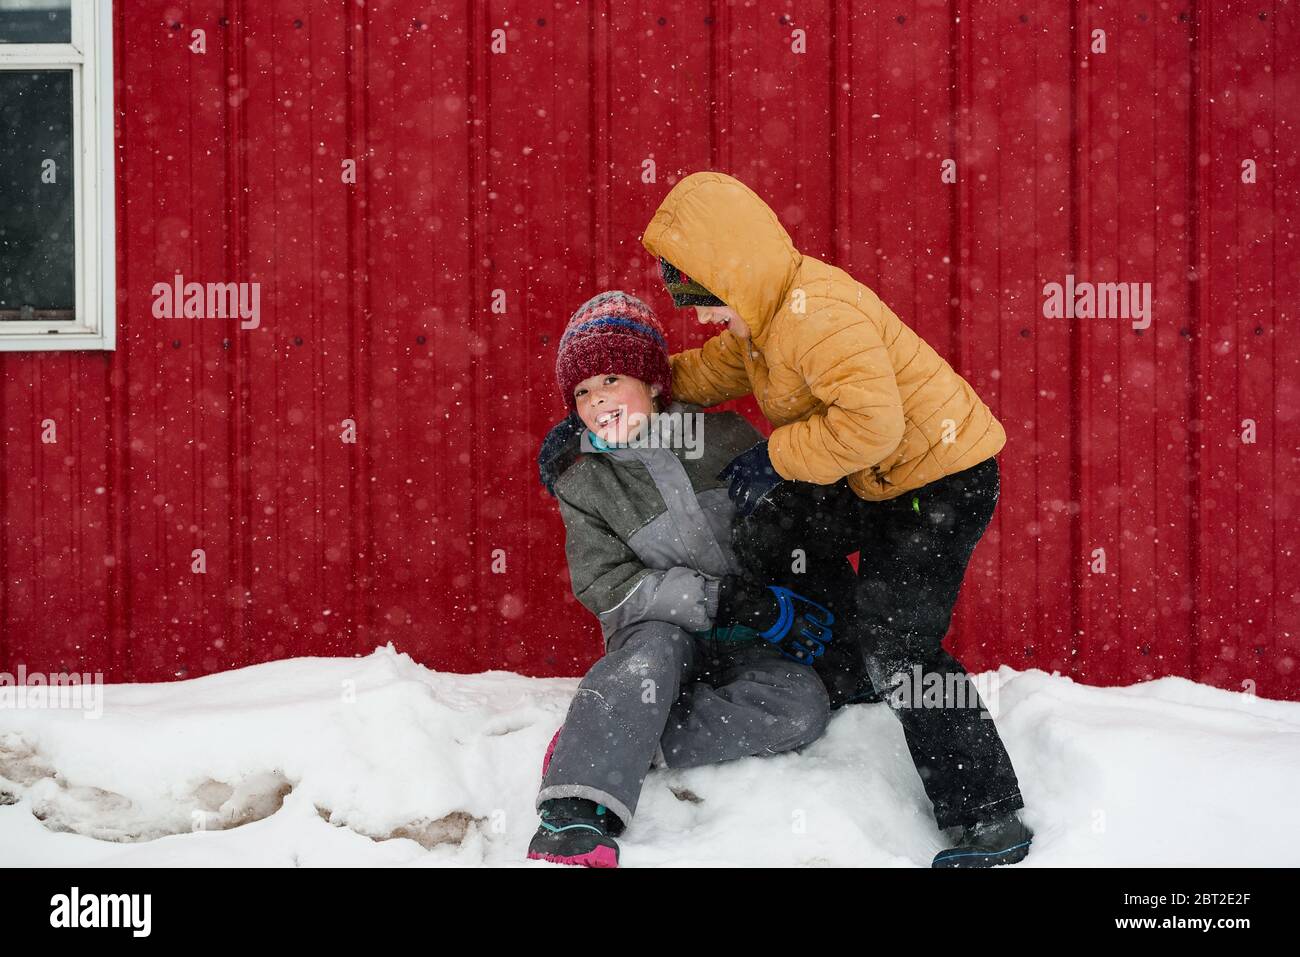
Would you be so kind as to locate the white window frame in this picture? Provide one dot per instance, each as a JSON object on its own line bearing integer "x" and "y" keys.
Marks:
{"x": 90, "y": 58}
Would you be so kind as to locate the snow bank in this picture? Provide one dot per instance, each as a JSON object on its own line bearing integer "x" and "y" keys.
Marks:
{"x": 379, "y": 761}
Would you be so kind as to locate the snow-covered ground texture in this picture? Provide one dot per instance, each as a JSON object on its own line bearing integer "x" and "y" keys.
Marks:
{"x": 379, "y": 761}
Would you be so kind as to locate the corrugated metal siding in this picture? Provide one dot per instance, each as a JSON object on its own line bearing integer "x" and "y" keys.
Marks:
{"x": 522, "y": 172}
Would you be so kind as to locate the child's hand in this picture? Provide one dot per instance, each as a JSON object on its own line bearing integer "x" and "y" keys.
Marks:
{"x": 752, "y": 478}
{"x": 798, "y": 626}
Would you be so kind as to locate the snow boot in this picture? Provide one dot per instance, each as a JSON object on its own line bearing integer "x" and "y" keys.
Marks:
{"x": 576, "y": 831}
{"x": 1002, "y": 840}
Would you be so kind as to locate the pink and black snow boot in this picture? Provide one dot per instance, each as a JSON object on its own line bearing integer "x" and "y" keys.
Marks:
{"x": 576, "y": 831}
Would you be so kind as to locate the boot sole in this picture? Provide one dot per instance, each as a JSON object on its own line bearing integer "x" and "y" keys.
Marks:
{"x": 600, "y": 856}
{"x": 1010, "y": 855}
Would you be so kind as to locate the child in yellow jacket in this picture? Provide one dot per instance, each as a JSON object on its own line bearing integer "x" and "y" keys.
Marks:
{"x": 901, "y": 447}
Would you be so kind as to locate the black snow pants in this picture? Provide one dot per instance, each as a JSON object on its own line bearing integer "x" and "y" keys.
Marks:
{"x": 892, "y": 617}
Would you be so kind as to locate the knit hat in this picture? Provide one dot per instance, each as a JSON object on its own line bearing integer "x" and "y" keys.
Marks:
{"x": 685, "y": 290}
{"x": 613, "y": 332}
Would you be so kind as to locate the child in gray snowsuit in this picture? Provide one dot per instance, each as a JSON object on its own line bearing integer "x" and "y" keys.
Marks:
{"x": 700, "y": 665}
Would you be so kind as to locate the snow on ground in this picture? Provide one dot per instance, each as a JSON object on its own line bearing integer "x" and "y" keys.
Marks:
{"x": 379, "y": 761}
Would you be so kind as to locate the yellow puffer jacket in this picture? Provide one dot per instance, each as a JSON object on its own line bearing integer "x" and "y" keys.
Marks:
{"x": 850, "y": 389}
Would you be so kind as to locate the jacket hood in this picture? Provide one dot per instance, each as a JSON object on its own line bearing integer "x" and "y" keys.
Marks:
{"x": 715, "y": 229}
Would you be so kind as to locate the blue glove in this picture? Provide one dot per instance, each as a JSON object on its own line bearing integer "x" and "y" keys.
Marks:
{"x": 799, "y": 633}
{"x": 559, "y": 450}
{"x": 752, "y": 478}
{"x": 798, "y": 626}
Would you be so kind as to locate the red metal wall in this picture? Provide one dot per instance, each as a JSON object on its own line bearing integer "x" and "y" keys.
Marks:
{"x": 521, "y": 172}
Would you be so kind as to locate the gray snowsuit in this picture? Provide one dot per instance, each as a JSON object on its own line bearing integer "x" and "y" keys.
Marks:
{"x": 648, "y": 536}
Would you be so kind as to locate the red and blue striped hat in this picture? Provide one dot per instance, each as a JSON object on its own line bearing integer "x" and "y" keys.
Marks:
{"x": 613, "y": 332}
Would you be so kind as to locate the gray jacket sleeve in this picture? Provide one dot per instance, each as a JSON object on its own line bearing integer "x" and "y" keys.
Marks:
{"x": 613, "y": 584}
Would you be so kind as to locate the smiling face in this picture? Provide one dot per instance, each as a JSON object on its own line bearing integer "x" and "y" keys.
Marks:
{"x": 723, "y": 316}
{"x": 607, "y": 403}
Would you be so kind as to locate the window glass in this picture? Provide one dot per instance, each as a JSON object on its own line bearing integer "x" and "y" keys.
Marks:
{"x": 37, "y": 275}
{"x": 35, "y": 21}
